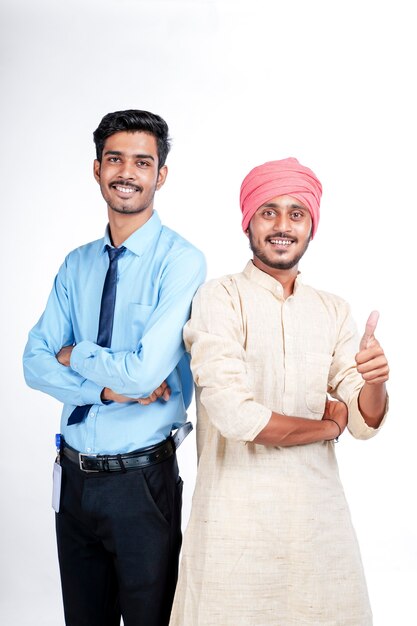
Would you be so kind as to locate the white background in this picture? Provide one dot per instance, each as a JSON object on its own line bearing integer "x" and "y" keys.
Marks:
{"x": 331, "y": 83}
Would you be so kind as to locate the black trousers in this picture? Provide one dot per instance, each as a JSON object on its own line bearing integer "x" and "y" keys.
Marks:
{"x": 119, "y": 537}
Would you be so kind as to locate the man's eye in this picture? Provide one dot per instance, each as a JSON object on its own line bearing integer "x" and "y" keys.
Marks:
{"x": 114, "y": 159}
{"x": 143, "y": 163}
{"x": 296, "y": 215}
{"x": 269, "y": 213}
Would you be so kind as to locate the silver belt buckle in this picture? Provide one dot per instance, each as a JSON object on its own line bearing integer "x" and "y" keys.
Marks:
{"x": 81, "y": 460}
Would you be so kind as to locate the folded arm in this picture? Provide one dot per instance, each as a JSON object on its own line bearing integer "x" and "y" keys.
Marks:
{"x": 82, "y": 374}
{"x": 284, "y": 430}
{"x": 215, "y": 338}
{"x": 137, "y": 373}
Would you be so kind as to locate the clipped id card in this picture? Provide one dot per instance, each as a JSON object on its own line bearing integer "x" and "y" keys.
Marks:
{"x": 56, "y": 486}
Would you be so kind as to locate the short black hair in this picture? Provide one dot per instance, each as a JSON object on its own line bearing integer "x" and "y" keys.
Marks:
{"x": 134, "y": 120}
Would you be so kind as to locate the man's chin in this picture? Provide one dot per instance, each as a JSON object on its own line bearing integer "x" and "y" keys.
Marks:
{"x": 277, "y": 264}
{"x": 126, "y": 210}
{"x": 283, "y": 265}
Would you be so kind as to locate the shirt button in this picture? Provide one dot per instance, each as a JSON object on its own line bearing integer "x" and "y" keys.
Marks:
{"x": 92, "y": 414}
{"x": 88, "y": 449}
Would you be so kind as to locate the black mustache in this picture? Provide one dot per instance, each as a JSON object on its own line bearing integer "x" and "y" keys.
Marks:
{"x": 126, "y": 183}
{"x": 280, "y": 236}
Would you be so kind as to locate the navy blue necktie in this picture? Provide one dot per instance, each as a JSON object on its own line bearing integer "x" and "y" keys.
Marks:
{"x": 105, "y": 325}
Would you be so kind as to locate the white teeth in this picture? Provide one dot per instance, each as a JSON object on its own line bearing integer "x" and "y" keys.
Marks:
{"x": 125, "y": 189}
{"x": 281, "y": 242}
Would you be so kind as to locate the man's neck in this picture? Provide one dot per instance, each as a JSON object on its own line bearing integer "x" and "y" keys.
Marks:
{"x": 287, "y": 278}
{"x": 122, "y": 225}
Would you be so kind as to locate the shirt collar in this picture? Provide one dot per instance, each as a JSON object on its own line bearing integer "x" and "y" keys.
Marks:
{"x": 140, "y": 240}
{"x": 268, "y": 282}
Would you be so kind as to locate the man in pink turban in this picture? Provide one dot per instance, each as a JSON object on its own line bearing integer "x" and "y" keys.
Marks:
{"x": 280, "y": 373}
{"x": 277, "y": 178}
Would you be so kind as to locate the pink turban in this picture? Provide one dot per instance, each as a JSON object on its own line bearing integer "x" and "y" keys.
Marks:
{"x": 280, "y": 178}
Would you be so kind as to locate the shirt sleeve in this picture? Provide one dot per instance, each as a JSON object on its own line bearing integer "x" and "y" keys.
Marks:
{"x": 53, "y": 331}
{"x": 139, "y": 372}
{"x": 214, "y": 336}
{"x": 345, "y": 383}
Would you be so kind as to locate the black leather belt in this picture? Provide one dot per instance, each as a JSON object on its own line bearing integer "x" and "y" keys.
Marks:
{"x": 129, "y": 460}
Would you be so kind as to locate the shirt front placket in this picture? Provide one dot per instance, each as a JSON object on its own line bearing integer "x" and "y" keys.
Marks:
{"x": 290, "y": 366}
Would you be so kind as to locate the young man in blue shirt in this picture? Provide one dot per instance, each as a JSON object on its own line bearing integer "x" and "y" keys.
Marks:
{"x": 109, "y": 346}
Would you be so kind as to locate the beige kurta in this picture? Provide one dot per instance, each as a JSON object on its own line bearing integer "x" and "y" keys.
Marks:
{"x": 270, "y": 540}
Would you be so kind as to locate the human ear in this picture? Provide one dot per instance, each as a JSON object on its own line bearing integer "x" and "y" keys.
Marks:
{"x": 96, "y": 169}
{"x": 162, "y": 175}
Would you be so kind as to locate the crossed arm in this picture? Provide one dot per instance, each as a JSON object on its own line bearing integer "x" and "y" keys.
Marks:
{"x": 88, "y": 374}
{"x": 216, "y": 341}
{"x": 372, "y": 364}
{"x": 108, "y": 395}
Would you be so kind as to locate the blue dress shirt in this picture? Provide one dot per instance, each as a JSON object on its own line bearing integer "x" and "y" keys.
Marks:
{"x": 157, "y": 278}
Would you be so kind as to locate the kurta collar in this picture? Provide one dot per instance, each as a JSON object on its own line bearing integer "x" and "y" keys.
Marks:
{"x": 140, "y": 240}
{"x": 268, "y": 282}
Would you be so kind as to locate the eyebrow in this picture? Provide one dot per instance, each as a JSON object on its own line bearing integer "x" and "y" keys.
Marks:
{"x": 273, "y": 205}
{"x": 135, "y": 156}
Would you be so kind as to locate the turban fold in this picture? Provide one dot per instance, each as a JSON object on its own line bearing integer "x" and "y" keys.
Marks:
{"x": 280, "y": 178}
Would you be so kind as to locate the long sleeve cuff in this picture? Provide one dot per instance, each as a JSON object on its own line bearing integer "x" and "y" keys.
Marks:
{"x": 82, "y": 351}
{"x": 83, "y": 362}
{"x": 259, "y": 420}
{"x": 357, "y": 425}
{"x": 240, "y": 419}
{"x": 91, "y": 393}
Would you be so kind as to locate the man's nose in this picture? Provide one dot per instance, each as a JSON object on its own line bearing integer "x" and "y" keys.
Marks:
{"x": 127, "y": 170}
{"x": 282, "y": 223}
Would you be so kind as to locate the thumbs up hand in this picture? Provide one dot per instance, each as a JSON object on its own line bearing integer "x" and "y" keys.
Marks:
{"x": 371, "y": 362}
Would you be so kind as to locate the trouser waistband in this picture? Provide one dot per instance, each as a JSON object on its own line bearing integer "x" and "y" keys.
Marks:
{"x": 129, "y": 460}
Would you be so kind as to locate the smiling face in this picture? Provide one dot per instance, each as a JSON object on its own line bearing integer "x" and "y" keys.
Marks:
{"x": 279, "y": 233}
{"x": 128, "y": 173}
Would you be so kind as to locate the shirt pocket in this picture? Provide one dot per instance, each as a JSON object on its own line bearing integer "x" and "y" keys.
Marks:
{"x": 139, "y": 315}
{"x": 317, "y": 375}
